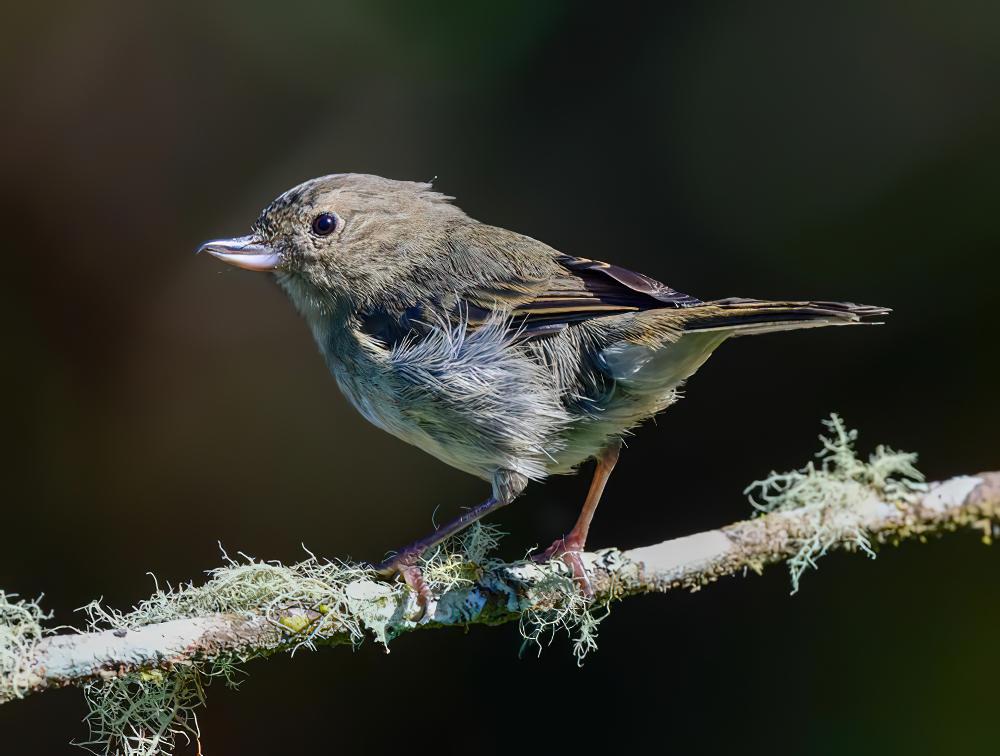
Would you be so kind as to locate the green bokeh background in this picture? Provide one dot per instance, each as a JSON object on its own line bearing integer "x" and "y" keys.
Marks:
{"x": 157, "y": 403}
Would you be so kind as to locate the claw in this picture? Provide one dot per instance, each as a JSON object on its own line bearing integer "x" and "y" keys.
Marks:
{"x": 404, "y": 565}
{"x": 414, "y": 578}
{"x": 568, "y": 550}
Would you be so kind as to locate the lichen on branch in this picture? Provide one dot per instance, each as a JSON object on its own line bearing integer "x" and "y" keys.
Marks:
{"x": 20, "y": 631}
{"x": 830, "y": 493}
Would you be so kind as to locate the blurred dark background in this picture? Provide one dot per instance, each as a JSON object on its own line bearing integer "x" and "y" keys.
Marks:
{"x": 159, "y": 403}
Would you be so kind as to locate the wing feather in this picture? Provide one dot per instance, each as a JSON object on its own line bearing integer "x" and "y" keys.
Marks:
{"x": 580, "y": 289}
{"x": 591, "y": 289}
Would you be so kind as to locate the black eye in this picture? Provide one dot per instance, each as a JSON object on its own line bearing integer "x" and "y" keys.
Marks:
{"x": 324, "y": 224}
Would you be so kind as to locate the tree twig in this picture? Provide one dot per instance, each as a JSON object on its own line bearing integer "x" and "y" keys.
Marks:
{"x": 504, "y": 592}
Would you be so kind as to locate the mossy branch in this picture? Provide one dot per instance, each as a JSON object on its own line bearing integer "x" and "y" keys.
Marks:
{"x": 144, "y": 671}
{"x": 504, "y": 592}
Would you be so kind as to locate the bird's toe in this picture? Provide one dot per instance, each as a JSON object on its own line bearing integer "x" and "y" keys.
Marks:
{"x": 405, "y": 565}
{"x": 568, "y": 551}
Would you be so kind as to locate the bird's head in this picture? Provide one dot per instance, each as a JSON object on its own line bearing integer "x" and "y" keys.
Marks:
{"x": 345, "y": 238}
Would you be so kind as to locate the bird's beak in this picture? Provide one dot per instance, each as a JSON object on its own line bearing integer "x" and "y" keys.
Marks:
{"x": 244, "y": 252}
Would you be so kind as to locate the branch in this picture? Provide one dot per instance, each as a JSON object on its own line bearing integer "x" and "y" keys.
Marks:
{"x": 507, "y": 592}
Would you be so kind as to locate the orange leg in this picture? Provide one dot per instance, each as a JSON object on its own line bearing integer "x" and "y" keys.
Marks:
{"x": 568, "y": 547}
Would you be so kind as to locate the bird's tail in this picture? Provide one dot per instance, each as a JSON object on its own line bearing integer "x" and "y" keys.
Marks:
{"x": 746, "y": 317}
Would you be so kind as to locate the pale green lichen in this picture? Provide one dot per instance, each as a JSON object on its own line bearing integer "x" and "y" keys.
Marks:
{"x": 554, "y": 604}
{"x": 832, "y": 490}
{"x": 249, "y": 586}
{"x": 548, "y": 605}
{"x": 145, "y": 713}
{"x": 20, "y": 630}
{"x": 459, "y": 561}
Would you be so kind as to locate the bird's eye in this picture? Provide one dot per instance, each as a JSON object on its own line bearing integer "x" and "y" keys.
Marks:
{"x": 324, "y": 224}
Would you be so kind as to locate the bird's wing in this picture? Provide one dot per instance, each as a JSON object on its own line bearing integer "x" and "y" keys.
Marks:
{"x": 580, "y": 289}
{"x": 538, "y": 301}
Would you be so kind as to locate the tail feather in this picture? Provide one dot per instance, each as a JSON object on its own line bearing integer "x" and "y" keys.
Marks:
{"x": 745, "y": 317}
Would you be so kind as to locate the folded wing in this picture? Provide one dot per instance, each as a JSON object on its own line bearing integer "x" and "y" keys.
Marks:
{"x": 581, "y": 290}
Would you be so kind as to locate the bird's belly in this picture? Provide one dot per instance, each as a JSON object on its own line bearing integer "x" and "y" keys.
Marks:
{"x": 383, "y": 411}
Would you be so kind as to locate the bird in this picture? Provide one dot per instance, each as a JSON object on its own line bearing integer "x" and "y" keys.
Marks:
{"x": 486, "y": 348}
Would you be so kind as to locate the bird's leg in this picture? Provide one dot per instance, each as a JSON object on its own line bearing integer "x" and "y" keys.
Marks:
{"x": 568, "y": 547}
{"x": 406, "y": 562}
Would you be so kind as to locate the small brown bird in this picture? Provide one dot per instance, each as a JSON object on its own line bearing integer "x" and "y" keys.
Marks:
{"x": 488, "y": 349}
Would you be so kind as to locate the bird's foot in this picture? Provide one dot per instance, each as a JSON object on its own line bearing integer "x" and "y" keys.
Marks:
{"x": 568, "y": 550}
{"x": 405, "y": 565}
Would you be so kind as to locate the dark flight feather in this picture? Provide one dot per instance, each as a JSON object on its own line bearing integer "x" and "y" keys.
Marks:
{"x": 591, "y": 289}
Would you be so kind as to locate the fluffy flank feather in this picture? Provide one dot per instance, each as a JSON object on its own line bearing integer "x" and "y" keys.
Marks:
{"x": 464, "y": 396}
